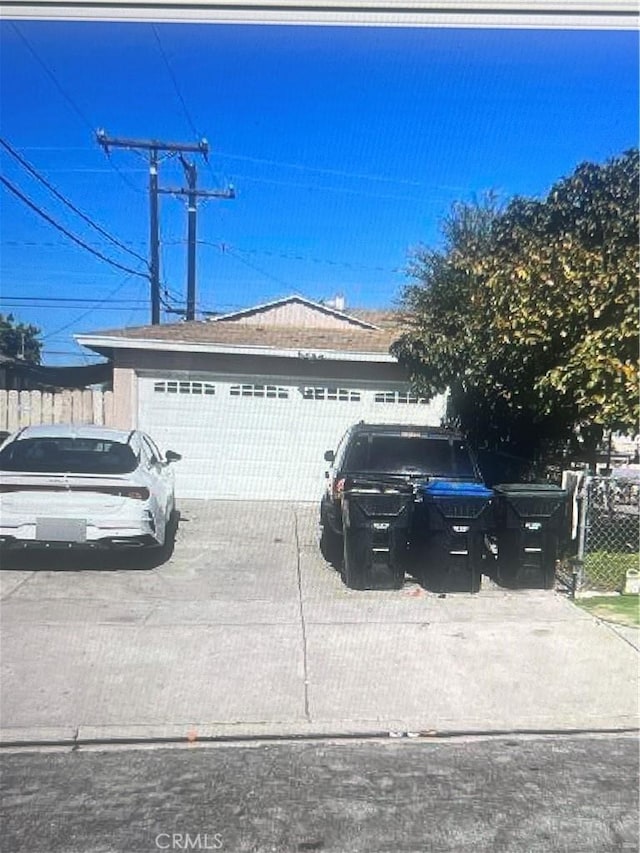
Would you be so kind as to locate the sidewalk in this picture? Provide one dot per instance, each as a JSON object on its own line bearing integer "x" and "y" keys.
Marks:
{"x": 247, "y": 632}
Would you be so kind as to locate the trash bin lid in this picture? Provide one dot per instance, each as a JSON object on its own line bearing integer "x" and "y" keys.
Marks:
{"x": 530, "y": 490}
{"x": 454, "y": 489}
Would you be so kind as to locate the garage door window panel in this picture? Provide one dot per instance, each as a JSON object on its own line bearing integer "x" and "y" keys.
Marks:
{"x": 340, "y": 395}
{"x": 171, "y": 386}
{"x": 271, "y": 392}
{"x": 400, "y": 397}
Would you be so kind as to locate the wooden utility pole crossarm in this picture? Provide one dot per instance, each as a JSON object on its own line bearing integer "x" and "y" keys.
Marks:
{"x": 193, "y": 194}
{"x": 154, "y": 147}
{"x": 107, "y": 142}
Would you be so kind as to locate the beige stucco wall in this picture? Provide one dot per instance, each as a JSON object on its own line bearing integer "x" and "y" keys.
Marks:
{"x": 125, "y": 402}
{"x": 297, "y": 315}
{"x": 152, "y": 361}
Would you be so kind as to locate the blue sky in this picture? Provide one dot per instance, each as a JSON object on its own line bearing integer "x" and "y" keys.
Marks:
{"x": 346, "y": 147}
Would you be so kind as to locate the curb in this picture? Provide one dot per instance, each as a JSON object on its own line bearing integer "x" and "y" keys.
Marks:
{"x": 242, "y": 734}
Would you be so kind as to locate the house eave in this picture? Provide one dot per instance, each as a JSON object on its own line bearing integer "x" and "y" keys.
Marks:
{"x": 100, "y": 343}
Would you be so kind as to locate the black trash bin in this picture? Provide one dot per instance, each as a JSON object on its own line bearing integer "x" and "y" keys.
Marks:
{"x": 376, "y": 520}
{"x": 454, "y": 519}
{"x": 529, "y": 520}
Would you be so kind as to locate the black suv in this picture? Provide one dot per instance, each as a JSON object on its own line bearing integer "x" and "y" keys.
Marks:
{"x": 381, "y": 467}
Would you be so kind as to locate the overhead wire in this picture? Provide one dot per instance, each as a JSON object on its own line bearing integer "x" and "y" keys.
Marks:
{"x": 257, "y": 268}
{"x": 98, "y": 303}
{"x": 33, "y": 171}
{"x": 13, "y": 189}
{"x": 70, "y": 101}
{"x": 222, "y": 247}
{"x": 226, "y": 248}
{"x": 81, "y": 115}
{"x": 316, "y": 169}
{"x": 5, "y": 297}
{"x": 174, "y": 81}
{"x": 179, "y": 95}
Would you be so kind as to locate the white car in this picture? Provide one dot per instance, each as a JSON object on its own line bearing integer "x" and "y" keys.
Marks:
{"x": 73, "y": 486}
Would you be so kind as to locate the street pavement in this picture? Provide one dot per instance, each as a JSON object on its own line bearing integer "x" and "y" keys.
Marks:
{"x": 557, "y": 794}
{"x": 247, "y": 632}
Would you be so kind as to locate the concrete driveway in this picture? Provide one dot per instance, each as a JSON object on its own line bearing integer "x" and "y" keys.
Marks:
{"x": 246, "y": 631}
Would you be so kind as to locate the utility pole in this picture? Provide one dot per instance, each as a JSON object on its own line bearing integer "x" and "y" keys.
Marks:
{"x": 153, "y": 146}
{"x": 154, "y": 238}
{"x": 193, "y": 194}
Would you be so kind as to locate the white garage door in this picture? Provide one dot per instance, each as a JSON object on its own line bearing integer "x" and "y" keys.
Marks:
{"x": 242, "y": 438}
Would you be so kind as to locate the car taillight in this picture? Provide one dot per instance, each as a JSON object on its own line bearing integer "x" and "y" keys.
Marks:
{"x": 137, "y": 493}
{"x": 338, "y": 488}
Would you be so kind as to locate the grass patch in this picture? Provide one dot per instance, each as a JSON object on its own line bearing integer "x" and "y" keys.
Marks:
{"x": 607, "y": 570}
{"x": 623, "y": 609}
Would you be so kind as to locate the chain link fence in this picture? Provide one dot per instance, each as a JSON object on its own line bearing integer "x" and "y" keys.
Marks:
{"x": 606, "y": 521}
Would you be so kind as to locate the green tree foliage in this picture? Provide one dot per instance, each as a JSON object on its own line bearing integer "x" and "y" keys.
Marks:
{"x": 528, "y": 314}
{"x": 19, "y": 340}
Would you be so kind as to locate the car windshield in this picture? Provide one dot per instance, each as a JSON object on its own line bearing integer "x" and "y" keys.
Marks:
{"x": 397, "y": 454}
{"x": 68, "y": 455}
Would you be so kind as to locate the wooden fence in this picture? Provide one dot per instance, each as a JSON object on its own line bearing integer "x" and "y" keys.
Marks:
{"x": 27, "y": 408}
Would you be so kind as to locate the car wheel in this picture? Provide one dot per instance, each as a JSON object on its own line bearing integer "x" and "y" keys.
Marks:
{"x": 171, "y": 530}
{"x": 356, "y": 568}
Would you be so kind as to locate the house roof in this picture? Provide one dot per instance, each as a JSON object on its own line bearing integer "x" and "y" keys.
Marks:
{"x": 318, "y": 308}
{"x": 52, "y": 376}
{"x": 361, "y": 333}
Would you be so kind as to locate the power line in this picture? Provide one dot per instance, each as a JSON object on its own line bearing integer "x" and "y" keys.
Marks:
{"x": 91, "y": 310}
{"x": 225, "y": 248}
{"x": 52, "y": 77}
{"x": 257, "y": 268}
{"x": 174, "y": 81}
{"x": 59, "y": 298}
{"x": 222, "y": 247}
{"x": 51, "y": 244}
{"x": 64, "y": 231}
{"x": 342, "y": 173}
{"x": 71, "y": 307}
{"x": 179, "y": 95}
{"x": 154, "y": 147}
{"x": 66, "y": 201}
{"x": 430, "y": 200}
{"x": 70, "y": 101}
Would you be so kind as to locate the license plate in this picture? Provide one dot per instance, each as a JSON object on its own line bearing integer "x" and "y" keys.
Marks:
{"x": 61, "y": 529}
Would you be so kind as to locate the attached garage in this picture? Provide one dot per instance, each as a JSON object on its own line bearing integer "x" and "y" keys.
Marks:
{"x": 252, "y": 400}
{"x": 242, "y": 438}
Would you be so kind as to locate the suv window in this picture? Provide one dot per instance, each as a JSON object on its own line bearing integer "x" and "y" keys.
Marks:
{"x": 397, "y": 454}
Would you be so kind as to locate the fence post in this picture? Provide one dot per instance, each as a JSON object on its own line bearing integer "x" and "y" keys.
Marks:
{"x": 578, "y": 575}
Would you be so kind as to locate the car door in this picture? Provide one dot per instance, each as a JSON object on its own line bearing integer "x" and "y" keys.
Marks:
{"x": 162, "y": 472}
{"x": 151, "y": 465}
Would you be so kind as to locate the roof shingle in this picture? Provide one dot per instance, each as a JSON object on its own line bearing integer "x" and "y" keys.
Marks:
{"x": 233, "y": 334}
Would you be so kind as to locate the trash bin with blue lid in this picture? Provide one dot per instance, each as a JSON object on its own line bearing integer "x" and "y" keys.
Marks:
{"x": 529, "y": 520}
{"x": 454, "y": 518}
{"x": 376, "y": 523}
